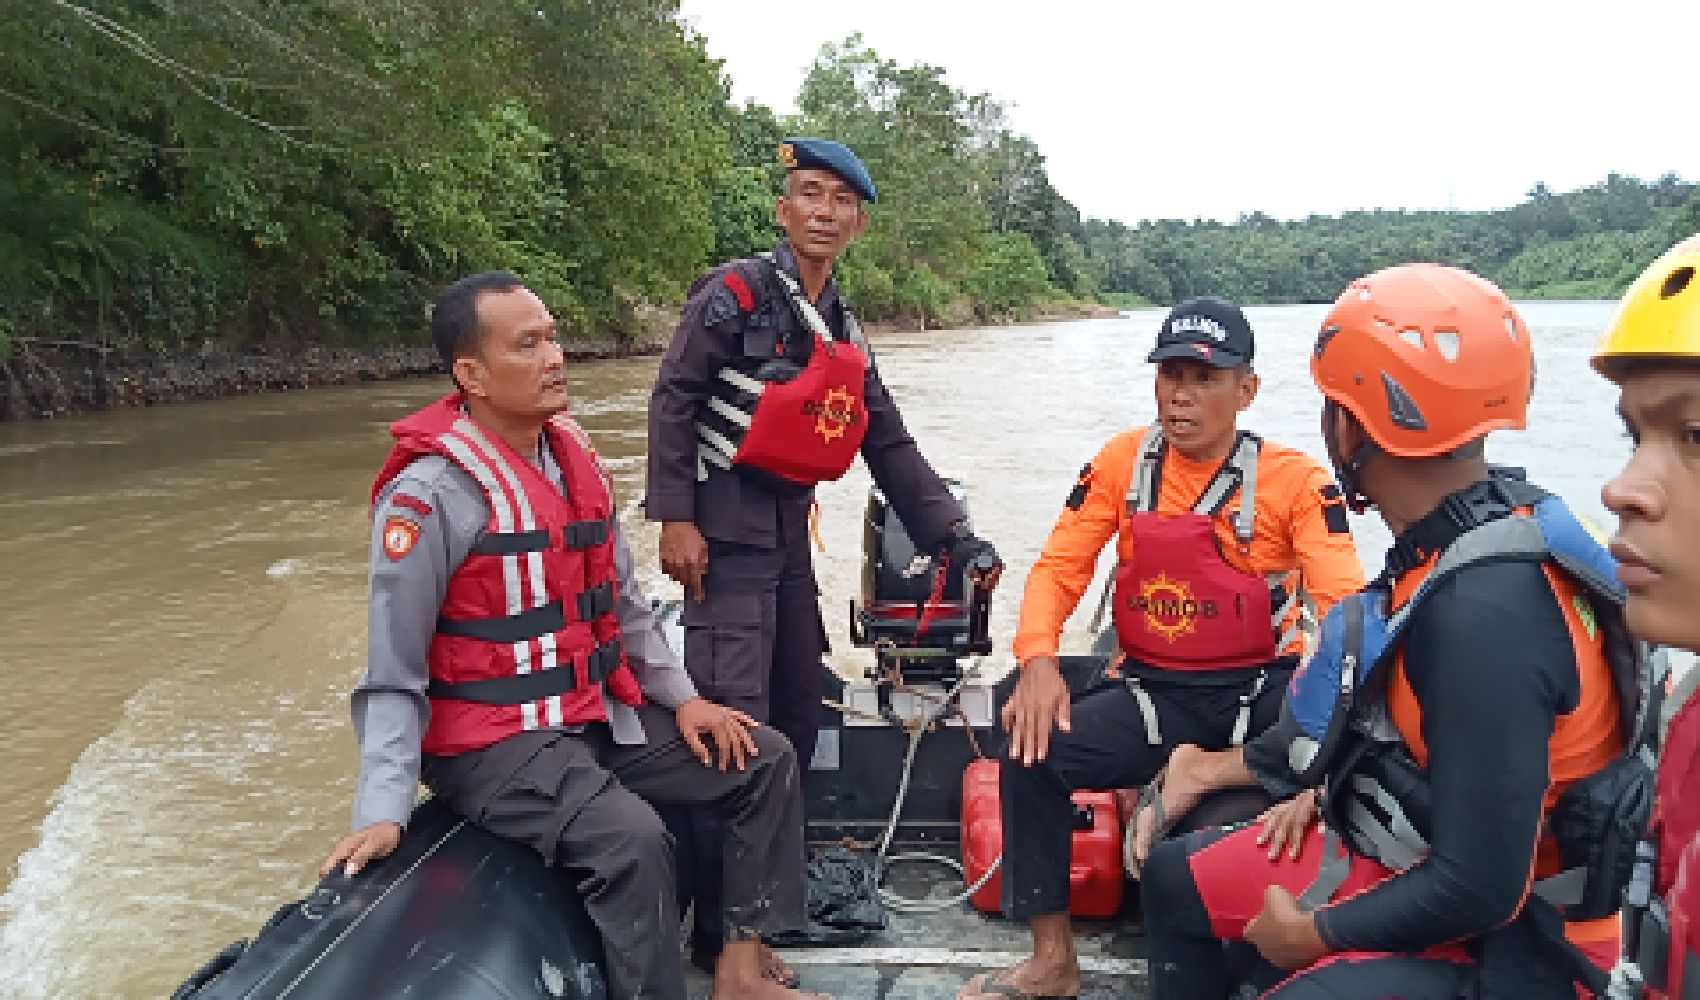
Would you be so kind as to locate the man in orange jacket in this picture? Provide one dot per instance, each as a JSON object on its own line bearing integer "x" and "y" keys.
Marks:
{"x": 1212, "y": 527}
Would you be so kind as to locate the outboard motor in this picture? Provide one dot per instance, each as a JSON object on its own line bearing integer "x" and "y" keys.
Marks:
{"x": 917, "y": 614}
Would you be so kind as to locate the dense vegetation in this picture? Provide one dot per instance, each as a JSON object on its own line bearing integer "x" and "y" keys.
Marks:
{"x": 1585, "y": 244}
{"x": 174, "y": 172}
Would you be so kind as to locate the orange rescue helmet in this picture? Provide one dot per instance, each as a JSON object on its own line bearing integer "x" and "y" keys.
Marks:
{"x": 1427, "y": 357}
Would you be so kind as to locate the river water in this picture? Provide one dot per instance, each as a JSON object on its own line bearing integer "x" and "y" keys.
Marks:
{"x": 184, "y": 587}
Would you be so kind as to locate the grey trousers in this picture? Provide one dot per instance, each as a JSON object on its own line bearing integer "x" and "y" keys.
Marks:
{"x": 583, "y": 803}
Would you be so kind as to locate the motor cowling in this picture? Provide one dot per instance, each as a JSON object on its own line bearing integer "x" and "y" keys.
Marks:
{"x": 905, "y": 604}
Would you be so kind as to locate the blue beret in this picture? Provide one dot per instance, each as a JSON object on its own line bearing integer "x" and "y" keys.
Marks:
{"x": 824, "y": 154}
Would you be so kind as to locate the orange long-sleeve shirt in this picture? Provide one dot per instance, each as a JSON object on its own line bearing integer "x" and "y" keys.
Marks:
{"x": 1291, "y": 531}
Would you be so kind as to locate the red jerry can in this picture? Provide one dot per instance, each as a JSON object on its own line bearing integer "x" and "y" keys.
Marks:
{"x": 1095, "y": 865}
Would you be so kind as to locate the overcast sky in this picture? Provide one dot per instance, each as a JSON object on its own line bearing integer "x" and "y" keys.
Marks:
{"x": 1180, "y": 109}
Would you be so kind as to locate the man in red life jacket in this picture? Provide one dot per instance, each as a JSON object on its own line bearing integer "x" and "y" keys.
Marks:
{"x": 515, "y": 665}
{"x": 767, "y": 388}
{"x": 1216, "y": 531}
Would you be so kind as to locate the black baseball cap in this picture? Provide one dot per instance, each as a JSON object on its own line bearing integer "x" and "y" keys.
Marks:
{"x": 1207, "y": 328}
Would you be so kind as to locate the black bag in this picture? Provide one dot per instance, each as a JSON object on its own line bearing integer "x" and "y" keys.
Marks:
{"x": 843, "y": 899}
{"x": 1597, "y": 822}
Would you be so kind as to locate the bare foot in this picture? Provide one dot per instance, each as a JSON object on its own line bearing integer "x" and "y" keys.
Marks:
{"x": 745, "y": 971}
{"x": 775, "y": 968}
{"x": 760, "y": 989}
{"x": 1061, "y": 980}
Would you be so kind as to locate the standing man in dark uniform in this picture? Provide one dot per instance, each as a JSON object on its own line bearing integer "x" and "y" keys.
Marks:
{"x": 767, "y": 388}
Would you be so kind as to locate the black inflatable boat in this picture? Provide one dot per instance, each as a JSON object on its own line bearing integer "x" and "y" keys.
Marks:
{"x": 457, "y": 914}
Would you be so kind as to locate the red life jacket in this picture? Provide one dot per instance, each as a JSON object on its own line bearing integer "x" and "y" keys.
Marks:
{"x": 1178, "y": 603}
{"x": 803, "y": 427}
{"x": 527, "y": 635}
{"x": 1665, "y": 928}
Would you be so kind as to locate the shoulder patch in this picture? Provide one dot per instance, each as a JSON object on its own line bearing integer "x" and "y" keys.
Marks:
{"x": 1334, "y": 509}
{"x": 401, "y": 533}
{"x": 1585, "y": 612}
{"x": 1082, "y": 483}
{"x": 722, "y": 306}
{"x": 740, "y": 290}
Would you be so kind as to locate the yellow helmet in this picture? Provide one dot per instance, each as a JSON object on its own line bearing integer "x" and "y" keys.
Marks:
{"x": 1659, "y": 316}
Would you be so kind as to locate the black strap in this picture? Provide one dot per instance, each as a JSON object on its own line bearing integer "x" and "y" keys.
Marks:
{"x": 585, "y": 534}
{"x": 574, "y": 535}
{"x": 1558, "y": 950}
{"x": 518, "y": 689}
{"x": 594, "y": 602}
{"x": 604, "y": 660}
{"x": 508, "y": 628}
{"x": 508, "y": 543}
{"x": 1461, "y": 511}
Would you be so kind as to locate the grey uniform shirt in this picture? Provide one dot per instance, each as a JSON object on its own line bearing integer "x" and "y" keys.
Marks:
{"x": 449, "y": 513}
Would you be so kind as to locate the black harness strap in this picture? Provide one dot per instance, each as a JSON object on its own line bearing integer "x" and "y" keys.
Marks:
{"x": 586, "y": 534}
{"x": 594, "y": 602}
{"x": 1489, "y": 500}
{"x": 518, "y": 689}
{"x": 511, "y": 543}
{"x": 574, "y": 535}
{"x": 508, "y": 628}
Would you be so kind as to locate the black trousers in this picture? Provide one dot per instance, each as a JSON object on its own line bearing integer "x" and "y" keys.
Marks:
{"x": 1108, "y": 747}
{"x": 754, "y": 643}
{"x": 583, "y": 802}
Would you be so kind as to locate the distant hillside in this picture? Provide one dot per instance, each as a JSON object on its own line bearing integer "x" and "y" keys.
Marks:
{"x": 1581, "y": 244}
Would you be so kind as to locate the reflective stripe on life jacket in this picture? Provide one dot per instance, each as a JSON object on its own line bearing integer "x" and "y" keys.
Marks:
{"x": 527, "y": 636}
{"x": 1178, "y": 603}
{"x": 1375, "y": 793}
{"x": 803, "y": 425}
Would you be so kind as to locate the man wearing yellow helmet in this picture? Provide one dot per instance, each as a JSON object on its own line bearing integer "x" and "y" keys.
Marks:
{"x": 1452, "y": 761}
{"x": 1652, "y": 351}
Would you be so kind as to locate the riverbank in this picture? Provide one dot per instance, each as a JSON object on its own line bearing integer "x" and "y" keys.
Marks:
{"x": 43, "y": 379}
{"x": 47, "y": 379}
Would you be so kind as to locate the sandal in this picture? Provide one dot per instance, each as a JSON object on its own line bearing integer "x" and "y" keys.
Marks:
{"x": 986, "y": 985}
{"x": 1150, "y": 797}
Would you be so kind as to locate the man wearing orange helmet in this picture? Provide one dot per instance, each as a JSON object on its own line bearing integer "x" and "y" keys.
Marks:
{"x": 1216, "y": 530}
{"x": 1465, "y": 716}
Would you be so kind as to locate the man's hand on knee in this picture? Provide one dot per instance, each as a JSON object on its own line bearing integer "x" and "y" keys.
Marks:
{"x": 1039, "y": 704}
{"x": 728, "y": 728}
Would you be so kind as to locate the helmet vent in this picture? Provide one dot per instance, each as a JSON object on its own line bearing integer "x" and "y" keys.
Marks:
{"x": 1328, "y": 333}
{"x": 1413, "y": 336}
{"x": 1446, "y": 342}
{"x": 1676, "y": 282}
{"x": 1401, "y": 407}
{"x": 1511, "y": 326}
